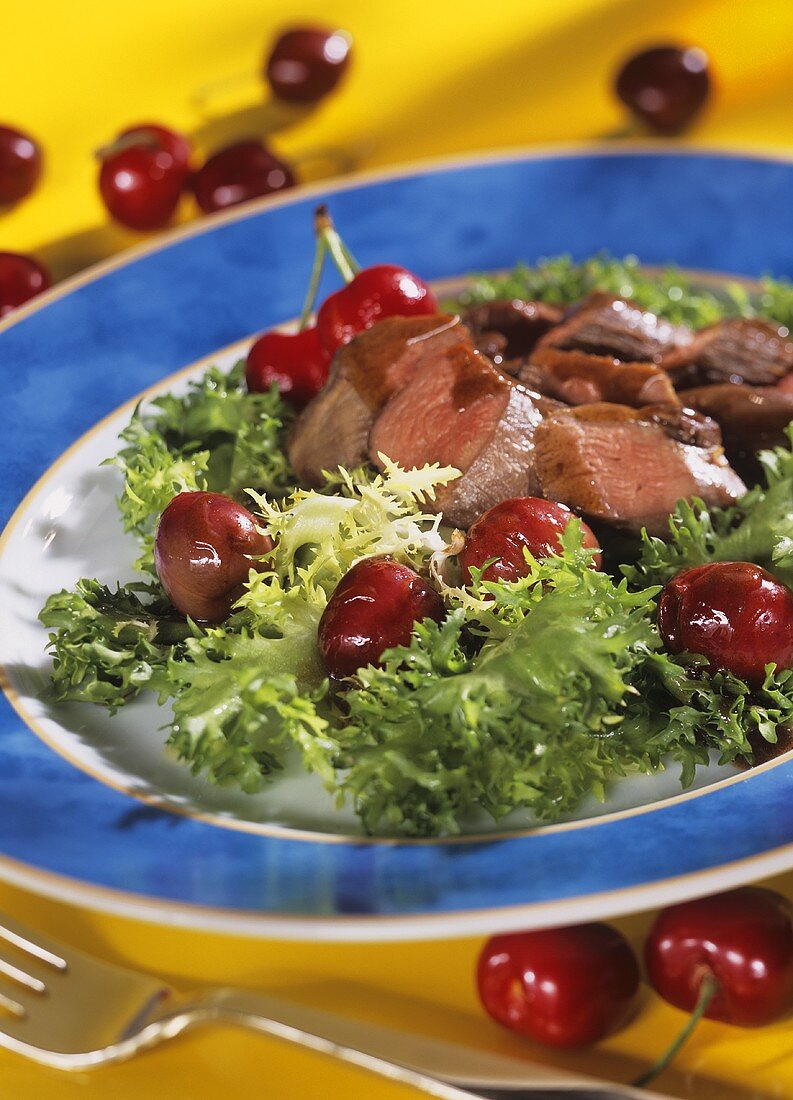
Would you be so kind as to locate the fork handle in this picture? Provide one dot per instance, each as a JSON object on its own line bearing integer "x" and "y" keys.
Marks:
{"x": 261, "y": 1013}
{"x": 438, "y": 1068}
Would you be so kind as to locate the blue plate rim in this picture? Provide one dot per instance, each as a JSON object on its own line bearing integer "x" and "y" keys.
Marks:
{"x": 105, "y": 897}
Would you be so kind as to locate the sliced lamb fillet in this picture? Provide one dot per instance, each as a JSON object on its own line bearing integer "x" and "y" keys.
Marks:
{"x": 579, "y": 378}
{"x": 509, "y": 328}
{"x": 333, "y": 429}
{"x": 751, "y": 417}
{"x": 460, "y": 411}
{"x": 685, "y": 425}
{"x": 614, "y": 464}
{"x": 618, "y": 329}
{"x": 755, "y": 352}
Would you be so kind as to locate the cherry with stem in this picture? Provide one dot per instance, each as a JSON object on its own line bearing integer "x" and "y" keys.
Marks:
{"x": 727, "y": 957}
{"x": 707, "y": 991}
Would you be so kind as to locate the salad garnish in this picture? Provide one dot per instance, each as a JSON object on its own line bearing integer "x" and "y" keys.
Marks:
{"x": 517, "y": 670}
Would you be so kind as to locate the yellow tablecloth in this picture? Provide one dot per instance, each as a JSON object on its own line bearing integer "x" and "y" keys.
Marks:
{"x": 427, "y": 79}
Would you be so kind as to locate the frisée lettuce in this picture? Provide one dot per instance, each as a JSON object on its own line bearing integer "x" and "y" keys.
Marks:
{"x": 530, "y": 695}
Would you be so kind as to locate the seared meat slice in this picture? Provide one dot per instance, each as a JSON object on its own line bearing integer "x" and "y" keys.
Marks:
{"x": 579, "y": 378}
{"x": 333, "y": 429}
{"x": 614, "y": 463}
{"x": 685, "y": 425}
{"x": 618, "y": 329}
{"x": 735, "y": 351}
{"x": 751, "y": 417}
{"x": 460, "y": 411}
{"x": 509, "y": 329}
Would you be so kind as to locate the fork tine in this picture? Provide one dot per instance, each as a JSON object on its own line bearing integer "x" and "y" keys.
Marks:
{"x": 13, "y": 933}
{"x": 8, "y": 970}
{"x": 12, "y": 1007}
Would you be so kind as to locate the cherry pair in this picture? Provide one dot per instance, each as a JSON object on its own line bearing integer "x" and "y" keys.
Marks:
{"x": 728, "y": 957}
{"x": 298, "y": 363}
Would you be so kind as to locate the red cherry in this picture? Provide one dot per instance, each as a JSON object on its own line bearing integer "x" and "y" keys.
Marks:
{"x": 665, "y": 86}
{"x": 21, "y": 278}
{"x": 565, "y": 987}
{"x": 161, "y": 137}
{"x": 202, "y": 552}
{"x": 296, "y": 362}
{"x": 504, "y": 530}
{"x": 743, "y": 938}
{"x": 243, "y": 171}
{"x": 141, "y": 184}
{"x": 384, "y": 290}
{"x": 373, "y": 608}
{"x": 20, "y": 164}
{"x": 734, "y": 613}
{"x": 306, "y": 63}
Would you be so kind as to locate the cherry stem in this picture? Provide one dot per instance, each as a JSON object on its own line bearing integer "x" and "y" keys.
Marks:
{"x": 340, "y": 254}
{"x": 707, "y": 991}
{"x": 129, "y": 141}
{"x": 313, "y": 283}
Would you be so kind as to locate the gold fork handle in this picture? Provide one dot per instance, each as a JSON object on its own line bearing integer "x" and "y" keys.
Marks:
{"x": 440, "y": 1069}
{"x": 254, "y": 1012}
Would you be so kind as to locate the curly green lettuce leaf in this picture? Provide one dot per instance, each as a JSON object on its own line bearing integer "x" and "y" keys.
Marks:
{"x": 758, "y": 529}
{"x": 153, "y": 475}
{"x": 319, "y": 537}
{"x": 560, "y": 280}
{"x": 776, "y": 301}
{"x": 696, "y": 706}
{"x": 533, "y": 720}
{"x": 108, "y": 646}
{"x": 252, "y": 690}
{"x": 244, "y": 432}
{"x": 679, "y": 298}
{"x": 249, "y": 692}
{"x": 215, "y": 437}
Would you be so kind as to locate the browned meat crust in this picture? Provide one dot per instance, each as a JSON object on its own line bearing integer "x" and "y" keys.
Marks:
{"x": 736, "y": 351}
{"x": 617, "y": 329}
{"x": 751, "y": 417}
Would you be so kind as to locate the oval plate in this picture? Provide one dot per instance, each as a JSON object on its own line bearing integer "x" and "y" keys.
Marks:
{"x": 76, "y": 355}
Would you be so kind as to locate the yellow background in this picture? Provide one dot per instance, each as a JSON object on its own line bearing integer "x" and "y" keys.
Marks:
{"x": 428, "y": 78}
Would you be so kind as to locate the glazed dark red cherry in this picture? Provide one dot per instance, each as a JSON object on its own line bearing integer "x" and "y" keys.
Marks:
{"x": 385, "y": 290}
{"x": 20, "y": 165}
{"x": 296, "y": 362}
{"x": 565, "y": 987}
{"x": 141, "y": 183}
{"x": 507, "y": 529}
{"x": 243, "y": 171}
{"x": 21, "y": 278}
{"x": 743, "y": 938}
{"x": 373, "y": 608}
{"x": 734, "y": 613}
{"x": 202, "y": 552}
{"x": 665, "y": 87}
{"x": 306, "y": 63}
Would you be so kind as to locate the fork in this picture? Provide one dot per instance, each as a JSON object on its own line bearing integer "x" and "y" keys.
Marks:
{"x": 71, "y": 1011}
